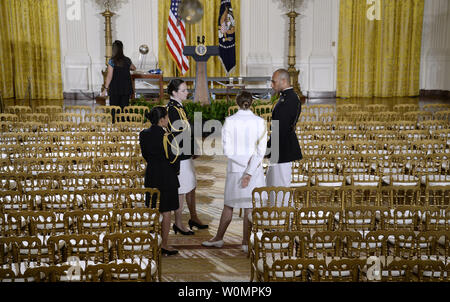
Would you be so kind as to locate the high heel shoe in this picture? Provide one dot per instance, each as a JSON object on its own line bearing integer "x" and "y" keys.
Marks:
{"x": 168, "y": 253}
{"x": 197, "y": 225}
{"x": 177, "y": 229}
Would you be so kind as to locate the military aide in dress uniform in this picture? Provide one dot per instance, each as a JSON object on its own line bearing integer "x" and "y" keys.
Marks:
{"x": 286, "y": 112}
{"x": 181, "y": 127}
{"x": 160, "y": 151}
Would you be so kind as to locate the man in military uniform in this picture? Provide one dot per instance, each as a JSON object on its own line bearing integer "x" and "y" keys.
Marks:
{"x": 285, "y": 112}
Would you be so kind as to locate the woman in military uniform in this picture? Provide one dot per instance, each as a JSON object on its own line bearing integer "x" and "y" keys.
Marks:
{"x": 157, "y": 147}
{"x": 180, "y": 126}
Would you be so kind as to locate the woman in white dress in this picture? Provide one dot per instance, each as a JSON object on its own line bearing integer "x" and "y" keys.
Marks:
{"x": 244, "y": 139}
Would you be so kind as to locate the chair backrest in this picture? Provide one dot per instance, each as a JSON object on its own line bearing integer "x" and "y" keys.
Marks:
{"x": 272, "y": 196}
{"x": 138, "y": 220}
{"x": 94, "y": 221}
{"x": 315, "y": 218}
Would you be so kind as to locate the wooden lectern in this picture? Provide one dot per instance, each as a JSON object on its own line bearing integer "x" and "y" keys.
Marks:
{"x": 201, "y": 56}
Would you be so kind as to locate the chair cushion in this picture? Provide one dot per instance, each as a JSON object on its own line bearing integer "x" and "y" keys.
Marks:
{"x": 269, "y": 263}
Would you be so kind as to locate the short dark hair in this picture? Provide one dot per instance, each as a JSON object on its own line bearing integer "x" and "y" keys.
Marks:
{"x": 244, "y": 100}
{"x": 156, "y": 114}
{"x": 174, "y": 85}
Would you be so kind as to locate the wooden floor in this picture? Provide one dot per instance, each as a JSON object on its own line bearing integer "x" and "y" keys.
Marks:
{"x": 198, "y": 263}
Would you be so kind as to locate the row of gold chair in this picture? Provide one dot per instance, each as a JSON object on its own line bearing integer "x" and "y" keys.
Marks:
{"x": 46, "y": 223}
{"x": 349, "y": 196}
{"x": 73, "y": 117}
{"x": 25, "y": 182}
{"x": 356, "y": 218}
{"x": 38, "y": 127}
{"x": 84, "y": 250}
{"x": 62, "y": 200}
{"x": 121, "y": 270}
{"x": 69, "y": 138}
{"x": 82, "y": 110}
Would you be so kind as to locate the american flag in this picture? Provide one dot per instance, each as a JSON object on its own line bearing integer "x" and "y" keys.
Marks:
{"x": 176, "y": 37}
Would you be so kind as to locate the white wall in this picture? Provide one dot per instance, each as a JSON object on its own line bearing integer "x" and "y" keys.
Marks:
{"x": 264, "y": 41}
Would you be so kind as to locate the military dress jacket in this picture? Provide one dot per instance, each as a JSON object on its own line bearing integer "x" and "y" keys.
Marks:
{"x": 286, "y": 112}
{"x": 181, "y": 128}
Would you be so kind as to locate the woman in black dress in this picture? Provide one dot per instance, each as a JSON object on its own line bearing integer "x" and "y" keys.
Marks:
{"x": 162, "y": 170}
{"x": 118, "y": 81}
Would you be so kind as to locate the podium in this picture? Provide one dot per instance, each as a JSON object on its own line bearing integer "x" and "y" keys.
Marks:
{"x": 201, "y": 92}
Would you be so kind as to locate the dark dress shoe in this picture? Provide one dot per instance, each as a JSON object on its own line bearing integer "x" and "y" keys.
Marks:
{"x": 197, "y": 225}
{"x": 168, "y": 253}
{"x": 177, "y": 229}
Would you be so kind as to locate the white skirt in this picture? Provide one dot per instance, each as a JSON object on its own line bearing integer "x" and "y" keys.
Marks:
{"x": 279, "y": 175}
{"x": 186, "y": 177}
{"x": 237, "y": 197}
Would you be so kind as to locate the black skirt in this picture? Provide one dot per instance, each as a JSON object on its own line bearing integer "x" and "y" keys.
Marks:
{"x": 168, "y": 200}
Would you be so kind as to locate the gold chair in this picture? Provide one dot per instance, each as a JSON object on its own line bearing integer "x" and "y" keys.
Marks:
{"x": 14, "y": 201}
{"x": 50, "y": 110}
{"x": 443, "y": 115}
{"x": 142, "y": 110}
{"x": 432, "y": 271}
{"x": 436, "y": 218}
{"x": 272, "y": 196}
{"x": 101, "y": 199}
{"x": 38, "y": 274}
{"x": 324, "y": 196}
{"x": 47, "y": 223}
{"x": 397, "y": 271}
{"x": 108, "y": 109}
{"x": 68, "y": 117}
{"x": 402, "y": 108}
{"x": 267, "y": 219}
{"x": 93, "y": 222}
{"x": 88, "y": 248}
{"x": 9, "y": 117}
{"x": 18, "y": 110}
{"x": 401, "y": 218}
{"x": 103, "y": 118}
{"x": 342, "y": 270}
{"x": 31, "y": 249}
{"x": 316, "y": 218}
{"x": 79, "y": 110}
{"x": 138, "y": 248}
{"x": 128, "y": 117}
{"x": 293, "y": 270}
{"x": 360, "y": 218}
{"x": 130, "y": 270}
{"x": 263, "y": 110}
{"x": 138, "y": 220}
{"x": 324, "y": 244}
{"x": 269, "y": 247}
